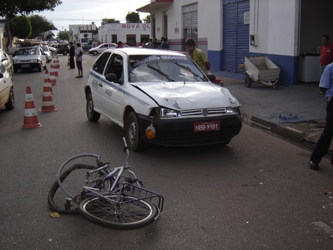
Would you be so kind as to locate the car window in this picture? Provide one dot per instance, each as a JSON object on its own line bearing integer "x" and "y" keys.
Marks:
{"x": 115, "y": 66}
{"x": 27, "y": 51}
{"x": 170, "y": 68}
{"x": 101, "y": 62}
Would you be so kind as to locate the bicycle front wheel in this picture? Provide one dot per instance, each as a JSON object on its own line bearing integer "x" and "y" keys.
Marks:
{"x": 128, "y": 212}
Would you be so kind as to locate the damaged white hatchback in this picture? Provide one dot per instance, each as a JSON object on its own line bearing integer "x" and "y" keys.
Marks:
{"x": 160, "y": 97}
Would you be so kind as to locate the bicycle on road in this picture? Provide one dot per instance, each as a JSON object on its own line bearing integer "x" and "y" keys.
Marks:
{"x": 109, "y": 196}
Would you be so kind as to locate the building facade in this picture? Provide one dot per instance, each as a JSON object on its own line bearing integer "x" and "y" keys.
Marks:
{"x": 287, "y": 31}
{"x": 133, "y": 34}
{"x": 83, "y": 33}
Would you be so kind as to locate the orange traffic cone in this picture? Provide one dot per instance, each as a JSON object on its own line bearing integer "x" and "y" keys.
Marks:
{"x": 30, "y": 113}
{"x": 54, "y": 70}
{"x": 47, "y": 103}
{"x": 57, "y": 66}
{"x": 53, "y": 80}
{"x": 47, "y": 80}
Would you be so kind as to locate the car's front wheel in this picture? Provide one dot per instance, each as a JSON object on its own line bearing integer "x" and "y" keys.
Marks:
{"x": 95, "y": 53}
{"x": 133, "y": 138}
{"x": 11, "y": 101}
{"x": 92, "y": 115}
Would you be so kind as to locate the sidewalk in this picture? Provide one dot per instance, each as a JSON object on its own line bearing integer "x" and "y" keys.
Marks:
{"x": 296, "y": 113}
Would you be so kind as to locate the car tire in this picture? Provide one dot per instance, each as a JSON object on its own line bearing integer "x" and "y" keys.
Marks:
{"x": 15, "y": 70}
{"x": 95, "y": 53}
{"x": 40, "y": 67}
{"x": 248, "y": 81}
{"x": 11, "y": 101}
{"x": 92, "y": 115}
{"x": 132, "y": 133}
{"x": 65, "y": 53}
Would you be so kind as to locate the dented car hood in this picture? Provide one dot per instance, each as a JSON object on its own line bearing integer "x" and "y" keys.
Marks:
{"x": 188, "y": 95}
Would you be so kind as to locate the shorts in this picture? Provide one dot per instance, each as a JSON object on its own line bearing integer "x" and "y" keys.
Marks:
{"x": 79, "y": 64}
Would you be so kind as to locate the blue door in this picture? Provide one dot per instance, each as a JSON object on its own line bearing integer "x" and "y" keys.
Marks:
{"x": 235, "y": 34}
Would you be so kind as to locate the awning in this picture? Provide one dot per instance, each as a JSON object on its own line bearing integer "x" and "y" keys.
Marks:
{"x": 154, "y": 5}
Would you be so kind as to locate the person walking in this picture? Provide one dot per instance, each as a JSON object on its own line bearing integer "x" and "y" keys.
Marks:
{"x": 325, "y": 139}
{"x": 71, "y": 55}
{"x": 78, "y": 57}
{"x": 197, "y": 55}
{"x": 326, "y": 52}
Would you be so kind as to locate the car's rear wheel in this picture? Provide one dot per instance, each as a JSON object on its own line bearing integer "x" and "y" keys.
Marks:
{"x": 133, "y": 138}
{"x": 11, "y": 101}
{"x": 92, "y": 115}
{"x": 95, "y": 53}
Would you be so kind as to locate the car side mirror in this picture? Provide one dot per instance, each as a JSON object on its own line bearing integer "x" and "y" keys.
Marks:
{"x": 211, "y": 77}
{"x": 111, "y": 77}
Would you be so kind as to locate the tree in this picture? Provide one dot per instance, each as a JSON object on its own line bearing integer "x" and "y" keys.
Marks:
{"x": 40, "y": 25}
{"x": 107, "y": 20}
{"x": 11, "y": 8}
{"x": 147, "y": 19}
{"x": 133, "y": 17}
{"x": 20, "y": 27}
{"x": 63, "y": 35}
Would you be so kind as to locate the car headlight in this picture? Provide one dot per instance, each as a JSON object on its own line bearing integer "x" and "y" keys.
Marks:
{"x": 166, "y": 113}
{"x": 232, "y": 110}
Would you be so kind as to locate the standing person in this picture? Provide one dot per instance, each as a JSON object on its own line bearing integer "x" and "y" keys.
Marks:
{"x": 324, "y": 142}
{"x": 119, "y": 44}
{"x": 78, "y": 57}
{"x": 150, "y": 44}
{"x": 71, "y": 55}
{"x": 197, "y": 55}
{"x": 326, "y": 52}
{"x": 164, "y": 43}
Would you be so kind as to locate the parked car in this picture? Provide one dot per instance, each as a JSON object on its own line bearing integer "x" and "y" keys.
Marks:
{"x": 160, "y": 97}
{"x": 29, "y": 58}
{"x": 47, "y": 52}
{"x": 102, "y": 47}
{"x": 6, "y": 89}
{"x": 6, "y": 60}
{"x": 62, "y": 49}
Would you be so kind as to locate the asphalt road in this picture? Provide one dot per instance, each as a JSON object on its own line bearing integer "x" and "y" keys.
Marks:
{"x": 255, "y": 193}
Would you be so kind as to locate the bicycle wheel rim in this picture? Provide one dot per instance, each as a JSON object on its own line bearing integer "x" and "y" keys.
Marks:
{"x": 129, "y": 213}
{"x": 58, "y": 205}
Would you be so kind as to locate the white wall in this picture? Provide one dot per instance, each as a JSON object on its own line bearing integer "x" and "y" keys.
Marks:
{"x": 276, "y": 25}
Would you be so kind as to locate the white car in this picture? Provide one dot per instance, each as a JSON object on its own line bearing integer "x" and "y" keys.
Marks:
{"x": 6, "y": 61}
{"x": 6, "y": 89}
{"x": 104, "y": 46}
{"x": 29, "y": 58}
{"x": 160, "y": 97}
{"x": 47, "y": 52}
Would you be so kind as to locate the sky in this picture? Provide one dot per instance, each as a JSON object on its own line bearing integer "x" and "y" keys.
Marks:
{"x": 88, "y": 11}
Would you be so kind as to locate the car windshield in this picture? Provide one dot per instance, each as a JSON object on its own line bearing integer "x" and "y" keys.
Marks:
{"x": 162, "y": 68}
{"x": 28, "y": 51}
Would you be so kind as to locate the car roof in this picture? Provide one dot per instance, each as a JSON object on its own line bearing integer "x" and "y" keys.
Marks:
{"x": 130, "y": 51}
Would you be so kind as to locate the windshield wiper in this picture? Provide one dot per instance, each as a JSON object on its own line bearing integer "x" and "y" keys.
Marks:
{"x": 188, "y": 69}
{"x": 161, "y": 72}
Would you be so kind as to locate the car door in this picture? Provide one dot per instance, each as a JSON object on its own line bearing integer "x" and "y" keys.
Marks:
{"x": 4, "y": 86}
{"x": 97, "y": 82}
{"x": 113, "y": 89}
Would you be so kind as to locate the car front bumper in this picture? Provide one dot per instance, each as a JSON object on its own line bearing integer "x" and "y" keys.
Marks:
{"x": 27, "y": 66}
{"x": 180, "y": 132}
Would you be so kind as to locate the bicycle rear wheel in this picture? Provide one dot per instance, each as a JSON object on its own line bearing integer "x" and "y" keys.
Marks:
{"x": 127, "y": 213}
{"x": 73, "y": 179}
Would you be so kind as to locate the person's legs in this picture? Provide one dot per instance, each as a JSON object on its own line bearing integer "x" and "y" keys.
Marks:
{"x": 325, "y": 139}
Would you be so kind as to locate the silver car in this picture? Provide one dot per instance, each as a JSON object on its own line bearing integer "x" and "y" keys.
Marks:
{"x": 48, "y": 53}
{"x": 29, "y": 58}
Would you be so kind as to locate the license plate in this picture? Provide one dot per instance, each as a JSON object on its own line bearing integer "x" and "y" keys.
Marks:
{"x": 206, "y": 126}
{"x": 25, "y": 65}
